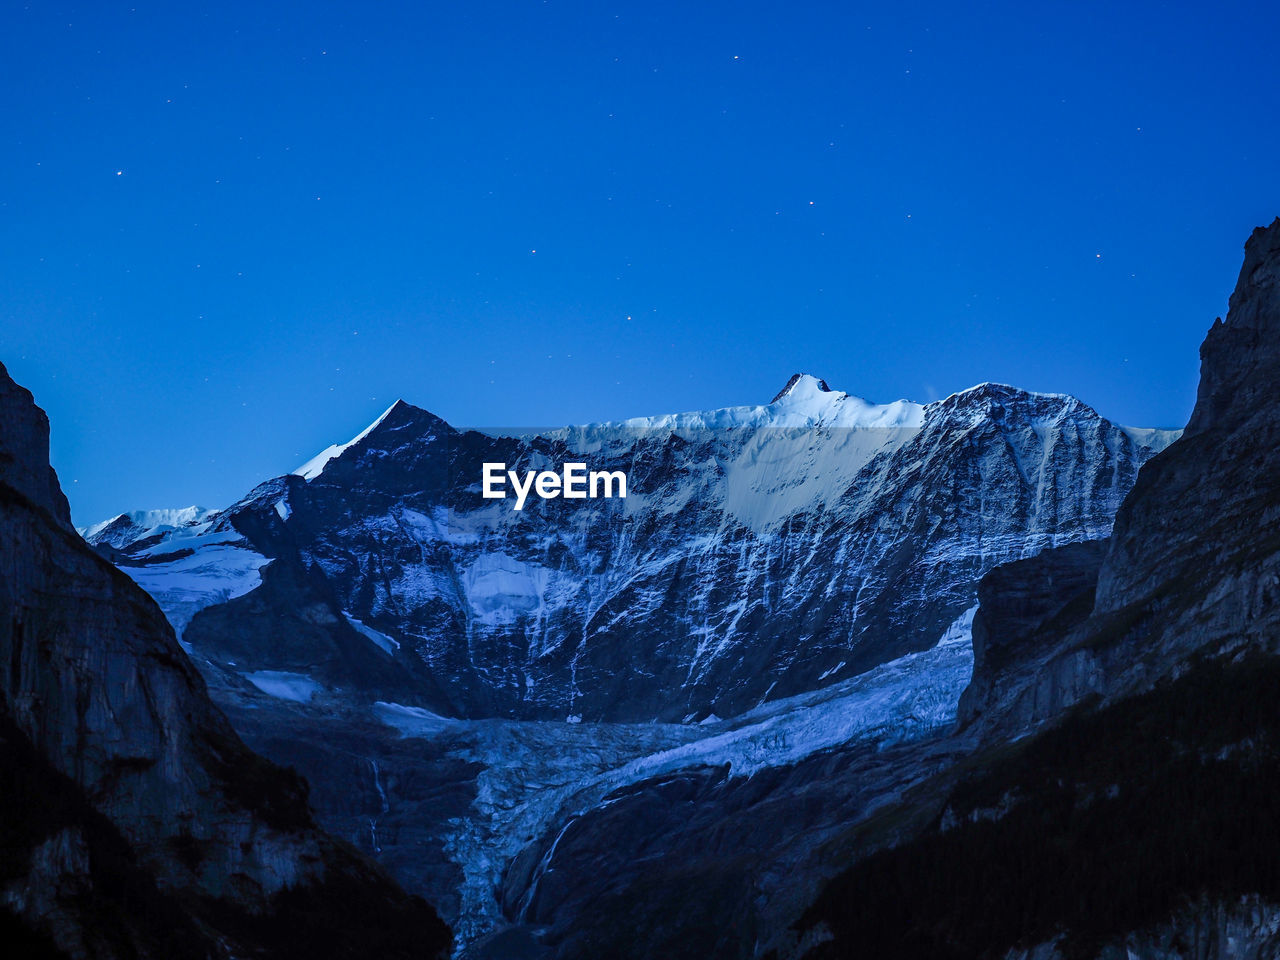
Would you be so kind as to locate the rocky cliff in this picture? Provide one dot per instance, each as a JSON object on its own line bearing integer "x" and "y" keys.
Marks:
{"x": 1193, "y": 565}
{"x": 136, "y": 822}
{"x": 1119, "y": 799}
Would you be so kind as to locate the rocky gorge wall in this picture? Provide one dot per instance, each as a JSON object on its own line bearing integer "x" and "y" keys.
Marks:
{"x": 138, "y": 824}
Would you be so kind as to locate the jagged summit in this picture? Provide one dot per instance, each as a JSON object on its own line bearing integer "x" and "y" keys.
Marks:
{"x": 995, "y": 389}
{"x": 401, "y": 406}
{"x": 24, "y": 450}
{"x": 991, "y": 399}
{"x": 1255, "y": 300}
{"x": 1240, "y": 357}
{"x": 394, "y": 416}
{"x": 802, "y": 384}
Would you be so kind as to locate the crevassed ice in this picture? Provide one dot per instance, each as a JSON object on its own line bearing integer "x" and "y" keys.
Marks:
{"x": 539, "y": 774}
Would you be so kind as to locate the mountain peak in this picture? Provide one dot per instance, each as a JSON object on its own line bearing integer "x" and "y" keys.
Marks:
{"x": 802, "y": 385}
{"x": 1256, "y": 298}
{"x": 24, "y": 450}
{"x": 1000, "y": 394}
{"x": 315, "y": 466}
{"x": 399, "y": 415}
{"x": 990, "y": 389}
{"x": 137, "y": 524}
{"x": 1240, "y": 358}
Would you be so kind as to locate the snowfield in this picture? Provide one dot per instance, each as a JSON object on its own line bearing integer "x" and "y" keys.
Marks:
{"x": 188, "y": 573}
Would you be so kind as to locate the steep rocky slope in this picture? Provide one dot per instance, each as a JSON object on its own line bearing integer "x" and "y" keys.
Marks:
{"x": 136, "y": 822}
{"x": 1140, "y": 821}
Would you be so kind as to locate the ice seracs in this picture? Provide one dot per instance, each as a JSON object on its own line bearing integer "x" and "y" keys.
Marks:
{"x": 186, "y": 558}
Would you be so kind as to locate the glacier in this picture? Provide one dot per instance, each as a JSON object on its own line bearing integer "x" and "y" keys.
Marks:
{"x": 539, "y": 774}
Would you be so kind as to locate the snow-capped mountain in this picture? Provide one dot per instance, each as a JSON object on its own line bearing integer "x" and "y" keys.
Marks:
{"x": 782, "y": 579}
{"x": 766, "y": 602}
{"x": 761, "y": 552}
{"x": 138, "y": 525}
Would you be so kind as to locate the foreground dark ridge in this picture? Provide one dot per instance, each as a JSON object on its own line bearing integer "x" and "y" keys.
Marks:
{"x": 1141, "y": 822}
{"x": 135, "y": 822}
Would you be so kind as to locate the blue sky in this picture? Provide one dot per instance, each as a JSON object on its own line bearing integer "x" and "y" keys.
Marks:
{"x": 234, "y": 233}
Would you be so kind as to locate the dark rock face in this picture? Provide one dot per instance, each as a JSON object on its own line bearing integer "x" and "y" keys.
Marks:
{"x": 107, "y": 723}
{"x": 292, "y": 622}
{"x": 1018, "y": 604}
{"x": 1240, "y": 359}
{"x": 24, "y": 451}
{"x": 709, "y": 865}
{"x": 1143, "y": 828}
{"x": 390, "y": 797}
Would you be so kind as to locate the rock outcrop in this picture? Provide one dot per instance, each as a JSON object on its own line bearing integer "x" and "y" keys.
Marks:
{"x": 1018, "y": 604}
{"x": 24, "y": 451}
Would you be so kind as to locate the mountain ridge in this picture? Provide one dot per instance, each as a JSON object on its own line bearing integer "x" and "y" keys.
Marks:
{"x": 822, "y": 474}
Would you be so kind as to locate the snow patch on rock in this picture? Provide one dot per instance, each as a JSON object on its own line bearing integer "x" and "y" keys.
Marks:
{"x": 284, "y": 685}
{"x": 379, "y": 638}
